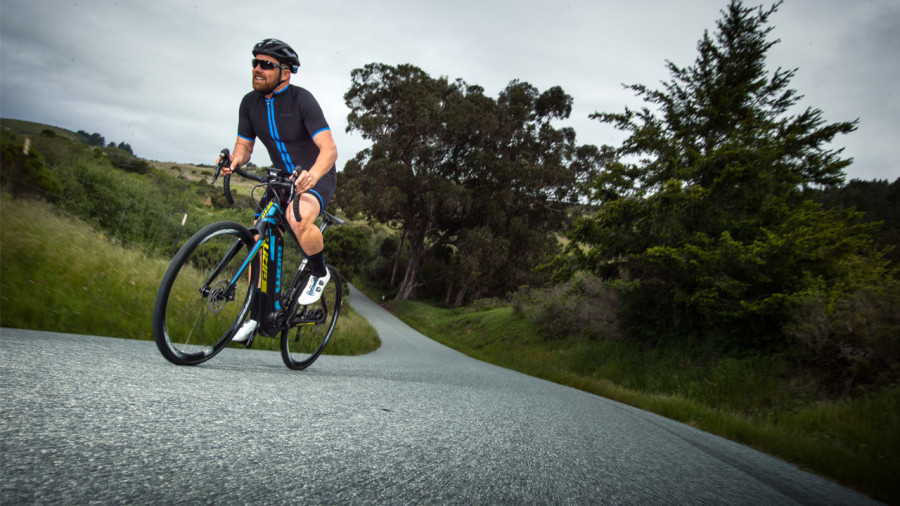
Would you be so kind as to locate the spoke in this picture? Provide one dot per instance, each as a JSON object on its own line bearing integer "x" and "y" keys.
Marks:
{"x": 194, "y": 326}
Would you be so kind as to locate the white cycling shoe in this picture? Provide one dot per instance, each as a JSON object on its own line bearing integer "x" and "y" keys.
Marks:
{"x": 314, "y": 289}
{"x": 246, "y": 330}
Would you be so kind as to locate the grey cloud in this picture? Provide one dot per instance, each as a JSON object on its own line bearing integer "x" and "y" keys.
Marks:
{"x": 166, "y": 76}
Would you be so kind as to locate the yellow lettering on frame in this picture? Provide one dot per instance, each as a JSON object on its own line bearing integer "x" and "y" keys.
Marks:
{"x": 264, "y": 265}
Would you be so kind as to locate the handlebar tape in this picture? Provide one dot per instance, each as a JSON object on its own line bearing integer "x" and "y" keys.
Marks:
{"x": 227, "y": 184}
{"x": 296, "y": 200}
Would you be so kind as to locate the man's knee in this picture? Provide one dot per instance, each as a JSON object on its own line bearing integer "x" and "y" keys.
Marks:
{"x": 306, "y": 221}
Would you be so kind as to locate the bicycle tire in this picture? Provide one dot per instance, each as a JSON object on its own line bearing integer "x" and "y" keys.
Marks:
{"x": 311, "y": 327}
{"x": 191, "y": 324}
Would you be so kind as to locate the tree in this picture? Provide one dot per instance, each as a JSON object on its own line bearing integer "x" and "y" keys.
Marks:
{"x": 408, "y": 177}
{"x": 880, "y": 201}
{"x": 93, "y": 139}
{"x": 125, "y": 147}
{"x": 347, "y": 249}
{"x": 696, "y": 202}
{"x": 526, "y": 176}
{"x": 460, "y": 172}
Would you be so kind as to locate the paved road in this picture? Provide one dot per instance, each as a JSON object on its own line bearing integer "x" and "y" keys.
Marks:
{"x": 98, "y": 420}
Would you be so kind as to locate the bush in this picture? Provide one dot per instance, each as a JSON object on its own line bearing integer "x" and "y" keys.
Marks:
{"x": 584, "y": 306}
{"x": 25, "y": 174}
{"x": 853, "y": 339}
{"x": 123, "y": 159}
{"x": 347, "y": 249}
{"x": 137, "y": 209}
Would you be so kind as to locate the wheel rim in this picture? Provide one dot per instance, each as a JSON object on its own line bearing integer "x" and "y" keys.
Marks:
{"x": 198, "y": 322}
{"x": 306, "y": 340}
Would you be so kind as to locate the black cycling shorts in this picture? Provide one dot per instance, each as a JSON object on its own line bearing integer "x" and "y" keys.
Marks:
{"x": 323, "y": 191}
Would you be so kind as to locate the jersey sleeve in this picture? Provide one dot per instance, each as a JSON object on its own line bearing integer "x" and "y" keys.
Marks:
{"x": 245, "y": 126}
{"x": 313, "y": 118}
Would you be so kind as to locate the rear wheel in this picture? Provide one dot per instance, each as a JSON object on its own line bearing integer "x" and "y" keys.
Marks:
{"x": 311, "y": 326}
{"x": 204, "y": 297}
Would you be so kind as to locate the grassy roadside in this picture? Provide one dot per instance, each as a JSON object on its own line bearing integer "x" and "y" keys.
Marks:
{"x": 62, "y": 275}
{"x": 854, "y": 442}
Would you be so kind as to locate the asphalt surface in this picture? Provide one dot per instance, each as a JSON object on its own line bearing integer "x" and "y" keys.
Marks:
{"x": 96, "y": 420}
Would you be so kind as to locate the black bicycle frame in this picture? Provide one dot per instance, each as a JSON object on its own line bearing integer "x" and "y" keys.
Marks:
{"x": 269, "y": 248}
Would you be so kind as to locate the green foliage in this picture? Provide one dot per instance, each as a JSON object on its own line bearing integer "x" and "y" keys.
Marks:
{"x": 880, "y": 201}
{"x": 24, "y": 173}
{"x": 116, "y": 192}
{"x": 583, "y": 307}
{"x": 86, "y": 283}
{"x": 378, "y": 270}
{"x": 347, "y": 249}
{"x": 60, "y": 274}
{"x": 93, "y": 139}
{"x": 851, "y": 333}
{"x": 125, "y": 147}
{"x": 476, "y": 184}
{"x": 124, "y": 159}
{"x": 706, "y": 218}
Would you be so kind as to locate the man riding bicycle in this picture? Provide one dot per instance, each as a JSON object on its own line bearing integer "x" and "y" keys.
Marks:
{"x": 291, "y": 125}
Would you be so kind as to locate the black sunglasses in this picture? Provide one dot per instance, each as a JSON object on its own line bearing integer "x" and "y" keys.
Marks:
{"x": 266, "y": 64}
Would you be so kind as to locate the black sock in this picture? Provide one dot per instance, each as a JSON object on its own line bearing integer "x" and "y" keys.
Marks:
{"x": 317, "y": 264}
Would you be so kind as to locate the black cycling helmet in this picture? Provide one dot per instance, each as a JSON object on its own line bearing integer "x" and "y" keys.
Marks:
{"x": 280, "y": 51}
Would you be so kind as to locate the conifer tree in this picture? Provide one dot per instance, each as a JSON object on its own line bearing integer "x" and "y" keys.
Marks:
{"x": 705, "y": 215}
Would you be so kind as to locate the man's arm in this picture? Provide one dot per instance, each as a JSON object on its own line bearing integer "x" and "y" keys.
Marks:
{"x": 324, "y": 162}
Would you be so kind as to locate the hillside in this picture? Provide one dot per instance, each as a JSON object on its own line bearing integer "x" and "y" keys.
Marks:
{"x": 96, "y": 228}
{"x": 132, "y": 209}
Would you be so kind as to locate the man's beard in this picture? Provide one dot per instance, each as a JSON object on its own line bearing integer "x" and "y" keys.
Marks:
{"x": 265, "y": 87}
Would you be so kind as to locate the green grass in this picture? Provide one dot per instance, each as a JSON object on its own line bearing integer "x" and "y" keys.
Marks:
{"x": 63, "y": 275}
{"x": 757, "y": 401}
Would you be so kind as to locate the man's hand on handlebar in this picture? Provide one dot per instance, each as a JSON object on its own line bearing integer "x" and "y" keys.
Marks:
{"x": 303, "y": 181}
{"x": 228, "y": 169}
{"x": 236, "y": 159}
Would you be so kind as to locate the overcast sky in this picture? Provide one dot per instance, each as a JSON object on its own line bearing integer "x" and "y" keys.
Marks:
{"x": 166, "y": 76}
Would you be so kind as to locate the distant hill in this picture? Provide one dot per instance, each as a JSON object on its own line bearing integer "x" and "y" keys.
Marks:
{"x": 186, "y": 171}
{"x": 31, "y": 128}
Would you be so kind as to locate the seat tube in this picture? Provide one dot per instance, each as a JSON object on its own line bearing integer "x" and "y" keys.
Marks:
{"x": 271, "y": 255}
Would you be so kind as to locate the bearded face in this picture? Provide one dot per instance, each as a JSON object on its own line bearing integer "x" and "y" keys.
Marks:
{"x": 266, "y": 81}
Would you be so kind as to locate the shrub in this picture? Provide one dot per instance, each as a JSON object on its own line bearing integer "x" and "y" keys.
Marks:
{"x": 584, "y": 306}
{"x": 123, "y": 159}
{"x": 25, "y": 173}
{"x": 347, "y": 249}
{"x": 853, "y": 338}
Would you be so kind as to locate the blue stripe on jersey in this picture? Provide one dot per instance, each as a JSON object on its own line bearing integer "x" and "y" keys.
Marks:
{"x": 320, "y": 130}
{"x": 273, "y": 130}
{"x": 246, "y": 138}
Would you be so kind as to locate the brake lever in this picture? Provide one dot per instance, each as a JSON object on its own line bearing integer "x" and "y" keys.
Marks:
{"x": 224, "y": 159}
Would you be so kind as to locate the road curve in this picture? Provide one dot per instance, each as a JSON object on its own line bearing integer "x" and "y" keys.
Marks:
{"x": 88, "y": 419}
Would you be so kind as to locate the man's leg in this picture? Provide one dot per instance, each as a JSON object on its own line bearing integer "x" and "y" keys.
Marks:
{"x": 313, "y": 245}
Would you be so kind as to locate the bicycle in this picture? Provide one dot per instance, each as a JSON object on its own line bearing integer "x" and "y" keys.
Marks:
{"x": 208, "y": 289}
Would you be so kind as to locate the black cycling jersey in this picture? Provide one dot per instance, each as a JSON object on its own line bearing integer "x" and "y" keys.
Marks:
{"x": 286, "y": 125}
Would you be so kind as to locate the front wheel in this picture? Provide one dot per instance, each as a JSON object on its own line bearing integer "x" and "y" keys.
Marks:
{"x": 310, "y": 327}
{"x": 205, "y": 294}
